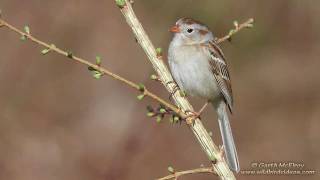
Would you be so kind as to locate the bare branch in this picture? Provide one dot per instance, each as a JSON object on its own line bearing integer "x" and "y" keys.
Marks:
{"x": 104, "y": 71}
{"x": 176, "y": 175}
{"x": 237, "y": 28}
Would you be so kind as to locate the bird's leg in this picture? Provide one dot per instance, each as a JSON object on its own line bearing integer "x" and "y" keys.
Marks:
{"x": 203, "y": 108}
{"x": 197, "y": 114}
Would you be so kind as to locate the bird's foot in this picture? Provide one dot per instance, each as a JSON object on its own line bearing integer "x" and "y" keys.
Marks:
{"x": 196, "y": 115}
{"x": 191, "y": 117}
{"x": 192, "y": 114}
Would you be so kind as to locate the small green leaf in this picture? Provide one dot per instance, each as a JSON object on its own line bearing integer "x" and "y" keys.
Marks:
{"x": 140, "y": 97}
{"x": 231, "y": 31}
{"x": 249, "y": 25}
{"x": 98, "y": 60}
{"x": 159, "y": 119}
{"x": 159, "y": 51}
{"x": 153, "y": 77}
{"x": 176, "y": 119}
{"x": 120, "y": 3}
{"x": 212, "y": 158}
{"x": 236, "y": 24}
{"x": 141, "y": 87}
{"x": 23, "y": 38}
{"x": 26, "y": 29}
{"x": 210, "y": 134}
{"x": 69, "y": 54}
{"x": 150, "y": 114}
{"x": 45, "y": 51}
{"x": 171, "y": 120}
{"x": 162, "y": 110}
{"x": 171, "y": 170}
{"x": 97, "y": 75}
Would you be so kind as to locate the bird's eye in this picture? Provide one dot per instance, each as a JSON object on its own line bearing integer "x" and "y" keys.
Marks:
{"x": 189, "y": 30}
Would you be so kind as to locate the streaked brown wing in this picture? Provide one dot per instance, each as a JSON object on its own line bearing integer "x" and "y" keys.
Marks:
{"x": 221, "y": 72}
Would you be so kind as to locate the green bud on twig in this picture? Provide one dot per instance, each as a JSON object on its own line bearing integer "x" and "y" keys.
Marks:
{"x": 249, "y": 25}
{"x": 171, "y": 120}
{"x": 97, "y": 74}
{"x": 171, "y": 170}
{"x": 212, "y": 158}
{"x": 210, "y": 134}
{"x": 159, "y": 52}
{"x": 236, "y": 24}
{"x": 231, "y": 32}
{"x": 26, "y": 29}
{"x": 159, "y": 118}
{"x": 141, "y": 87}
{"x": 98, "y": 60}
{"x": 45, "y": 51}
{"x": 23, "y": 38}
{"x": 69, "y": 54}
{"x": 162, "y": 110}
{"x": 150, "y": 114}
{"x": 140, "y": 97}
{"x": 120, "y": 3}
{"x": 52, "y": 46}
{"x": 176, "y": 119}
{"x": 153, "y": 77}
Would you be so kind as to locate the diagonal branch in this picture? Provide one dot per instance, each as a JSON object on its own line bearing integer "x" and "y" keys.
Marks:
{"x": 219, "y": 164}
{"x": 104, "y": 71}
{"x": 237, "y": 28}
{"x": 176, "y": 175}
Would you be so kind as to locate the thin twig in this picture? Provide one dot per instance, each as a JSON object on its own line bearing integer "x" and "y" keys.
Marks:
{"x": 176, "y": 175}
{"x": 219, "y": 164}
{"x": 237, "y": 28}
{"x": 94, "y": 66}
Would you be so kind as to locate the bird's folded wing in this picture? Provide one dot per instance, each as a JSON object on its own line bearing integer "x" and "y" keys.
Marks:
{"x": 220, "y": 70}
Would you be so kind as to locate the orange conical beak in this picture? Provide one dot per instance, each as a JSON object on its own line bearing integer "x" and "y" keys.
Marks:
{"x": 174, "y": 29}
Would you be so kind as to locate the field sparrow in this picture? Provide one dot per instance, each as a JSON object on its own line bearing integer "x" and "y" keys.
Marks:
{"x": 199, "y": 68}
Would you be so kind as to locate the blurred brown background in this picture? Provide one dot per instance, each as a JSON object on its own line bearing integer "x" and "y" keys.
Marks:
{"x": 57, "y": 122}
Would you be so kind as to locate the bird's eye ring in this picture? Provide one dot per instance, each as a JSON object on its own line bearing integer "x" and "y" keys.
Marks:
{"x": 189, "y": 30}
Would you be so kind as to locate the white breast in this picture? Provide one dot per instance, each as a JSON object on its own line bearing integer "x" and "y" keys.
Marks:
{"x": 191, "y": 70}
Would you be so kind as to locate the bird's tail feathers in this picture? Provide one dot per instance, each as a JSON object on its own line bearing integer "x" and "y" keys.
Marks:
{"x": 227, "y": 138}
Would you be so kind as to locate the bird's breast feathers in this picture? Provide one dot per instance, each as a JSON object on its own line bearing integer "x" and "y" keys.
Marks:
{"x": 191, "y": 70}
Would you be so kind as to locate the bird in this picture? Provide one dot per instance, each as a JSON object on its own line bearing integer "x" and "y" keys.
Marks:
{"x": 199, "y": 68}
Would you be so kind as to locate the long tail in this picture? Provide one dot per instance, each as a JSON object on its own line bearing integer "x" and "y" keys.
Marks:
{"x": 227, "y": 138}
